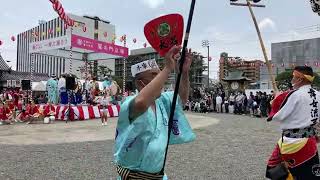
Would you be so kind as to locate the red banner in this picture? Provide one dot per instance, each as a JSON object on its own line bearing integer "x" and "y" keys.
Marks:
{"x": 98, "y": 46}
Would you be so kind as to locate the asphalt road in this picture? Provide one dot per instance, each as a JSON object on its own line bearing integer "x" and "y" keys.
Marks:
{"x": 231, "y": 147}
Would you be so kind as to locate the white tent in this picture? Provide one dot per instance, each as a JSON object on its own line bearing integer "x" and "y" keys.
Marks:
{"x": 100, "y": 84}
{"x": 39, "y": 86}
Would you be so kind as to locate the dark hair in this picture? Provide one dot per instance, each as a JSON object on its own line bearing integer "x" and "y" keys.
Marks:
{"x": 304, "y": 69}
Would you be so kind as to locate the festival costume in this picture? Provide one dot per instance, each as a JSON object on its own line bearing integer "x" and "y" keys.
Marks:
{"x": 63, "y": 91}
{"x": 140, "y": 143}
{"x": 104, "y": 102}
{"x": 106, "y": 84}
{"x": 52, "y": 87}
{"x": 33, "y": 111}
{"x": 298, "y": 112}
{"x": 94, "y": 91}
{"x": 49, "y": 114}
{"x": 49, "y": 110}
{"x": 5, "y": 113}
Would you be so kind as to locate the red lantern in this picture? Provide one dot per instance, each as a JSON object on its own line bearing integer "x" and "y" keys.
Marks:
{"x": 66, "y": 26}
{"x": 210, "y": 58}
{"x": 1, "y": 42}
{"x": 105, "y": 34}
{"x": 145, "y": 45}
{"x": 134, "y": 40}
{"x": 84, "y": 29}
{"x": 13, "y": 38}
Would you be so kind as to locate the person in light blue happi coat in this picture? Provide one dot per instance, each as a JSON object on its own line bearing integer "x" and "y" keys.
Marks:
{"x": 52, "y": 86}
{"x": 106, "y": 83}
{"x": 142, "y": 129}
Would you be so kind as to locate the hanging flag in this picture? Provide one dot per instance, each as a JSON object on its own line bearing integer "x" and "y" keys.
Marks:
{"x": 58, "y": 29}
{"x": 50, "y": 31}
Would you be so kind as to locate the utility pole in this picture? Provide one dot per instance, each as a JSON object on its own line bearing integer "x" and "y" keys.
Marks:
{"x": 250, "y": 5}
{"x": 205, "y": 43}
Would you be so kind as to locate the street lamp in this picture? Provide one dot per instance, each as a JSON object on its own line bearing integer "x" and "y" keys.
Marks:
{"x": 205, "y": 43}
{"x": 250, "y": 5}
{"x": 315, "y": 6}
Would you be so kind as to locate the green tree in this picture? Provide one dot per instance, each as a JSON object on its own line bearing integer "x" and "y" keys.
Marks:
{"x": 284, "y": 80}
{"x": 104, "y": 70}
{"x": 197, "y": 68}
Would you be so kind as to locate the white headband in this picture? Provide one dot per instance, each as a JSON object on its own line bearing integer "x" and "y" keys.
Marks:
{"x": 143, "y": 66}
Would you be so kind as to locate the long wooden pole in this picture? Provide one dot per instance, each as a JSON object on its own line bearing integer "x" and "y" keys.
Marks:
{"x": 274, "y": 85}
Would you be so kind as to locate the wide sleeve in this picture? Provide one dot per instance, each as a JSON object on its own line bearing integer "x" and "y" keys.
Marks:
{"x": 167, "y": 98}
{"x": 125, "y": 110}
{"x": 288, "y": 108}
{"x": 181, "y": 130}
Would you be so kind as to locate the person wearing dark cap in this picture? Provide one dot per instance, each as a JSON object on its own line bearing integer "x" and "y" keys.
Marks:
{"x": 297, "y": 111}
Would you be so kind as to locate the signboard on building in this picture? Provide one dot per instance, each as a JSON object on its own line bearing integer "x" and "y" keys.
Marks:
{"x": 50, "y": 44}
{"x": 78, "y": 42}
{"x": 98, "y": 46}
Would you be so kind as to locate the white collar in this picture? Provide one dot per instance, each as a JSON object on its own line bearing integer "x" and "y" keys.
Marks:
{"x": 305, "y": 87}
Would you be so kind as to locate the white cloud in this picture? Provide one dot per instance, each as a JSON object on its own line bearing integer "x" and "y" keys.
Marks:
{"x": 267, "y": 22}
{"x": 153, "y": 3}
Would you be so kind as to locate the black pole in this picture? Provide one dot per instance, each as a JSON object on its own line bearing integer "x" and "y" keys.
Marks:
{"x": 208, "y": 66}
{"x": 176, "y": 90}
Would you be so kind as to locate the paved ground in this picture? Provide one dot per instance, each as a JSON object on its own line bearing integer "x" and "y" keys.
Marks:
{"x": 227, "y": 147}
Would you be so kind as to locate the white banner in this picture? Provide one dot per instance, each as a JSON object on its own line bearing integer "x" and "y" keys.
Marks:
{"x": 50, "y": 44}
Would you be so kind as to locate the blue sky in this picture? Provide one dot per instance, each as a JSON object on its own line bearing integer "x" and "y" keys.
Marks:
{"x": 228, "y": 28}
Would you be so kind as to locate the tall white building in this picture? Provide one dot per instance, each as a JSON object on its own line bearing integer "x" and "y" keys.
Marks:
{"x": 52, "y": 63}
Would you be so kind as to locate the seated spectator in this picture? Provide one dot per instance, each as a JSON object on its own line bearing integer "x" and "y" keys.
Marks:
{"x": 49, "y": 112}
{"x": 5, "y": 114}
{"x": 34, "y": 113}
